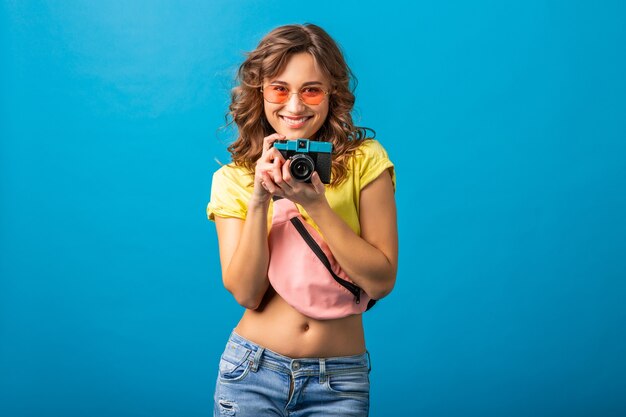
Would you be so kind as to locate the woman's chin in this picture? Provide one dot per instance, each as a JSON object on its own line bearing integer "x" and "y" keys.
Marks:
{"x": 291, "y": 134}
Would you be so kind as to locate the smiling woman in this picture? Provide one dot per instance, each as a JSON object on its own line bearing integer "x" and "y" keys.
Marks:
{"x": 300, "y": 344}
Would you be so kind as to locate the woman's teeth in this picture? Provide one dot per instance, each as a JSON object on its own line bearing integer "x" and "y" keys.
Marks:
{"x": 294, "y": 122}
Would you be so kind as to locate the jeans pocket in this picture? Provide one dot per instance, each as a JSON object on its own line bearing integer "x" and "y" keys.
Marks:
{"x": 353, "y": 383}
{"x": 235, "y": 363}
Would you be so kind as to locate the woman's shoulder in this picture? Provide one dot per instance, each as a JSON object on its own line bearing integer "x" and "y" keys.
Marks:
{"x": 369, "y": 151}
{"x": 370, "y": 147}
{"x": 233, "y": 174}
{"x": 230, "y": 191}
{"x": 370, "y": 160}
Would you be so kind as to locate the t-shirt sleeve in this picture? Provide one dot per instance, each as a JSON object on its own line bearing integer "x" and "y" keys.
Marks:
{"x": 229, "y": 196}
{"x": 374, "y": 161}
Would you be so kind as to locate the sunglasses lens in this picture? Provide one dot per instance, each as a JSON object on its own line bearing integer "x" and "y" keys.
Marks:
{"x": 312, "y": 95}
{"x": 276, "y": 94}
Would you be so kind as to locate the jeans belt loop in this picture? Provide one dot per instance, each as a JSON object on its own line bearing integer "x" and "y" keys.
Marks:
{"x": 369, "y": 362}
{"x": 257, "y": 359}
{"x": 322, "y": 370}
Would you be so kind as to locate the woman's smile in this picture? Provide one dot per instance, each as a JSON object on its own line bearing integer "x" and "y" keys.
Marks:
{"x": 295, "y": 122}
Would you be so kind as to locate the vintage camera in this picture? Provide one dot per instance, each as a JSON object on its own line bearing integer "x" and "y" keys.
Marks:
{"x": 307, "y": 156}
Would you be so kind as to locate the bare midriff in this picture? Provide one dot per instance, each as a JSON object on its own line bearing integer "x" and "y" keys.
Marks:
{"x": 279, "y": 327}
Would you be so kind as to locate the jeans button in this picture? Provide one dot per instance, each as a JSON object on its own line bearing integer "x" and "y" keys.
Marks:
{"x": 296, "y": 366}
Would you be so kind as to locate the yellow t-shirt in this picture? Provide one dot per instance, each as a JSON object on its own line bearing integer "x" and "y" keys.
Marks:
{"x": 232, "y": 187}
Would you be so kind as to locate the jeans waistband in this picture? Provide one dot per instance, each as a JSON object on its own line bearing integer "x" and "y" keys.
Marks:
{"x": 261, "y": 356}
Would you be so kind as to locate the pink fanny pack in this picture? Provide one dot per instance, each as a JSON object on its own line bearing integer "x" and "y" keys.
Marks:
{"x": 304, "y": 272}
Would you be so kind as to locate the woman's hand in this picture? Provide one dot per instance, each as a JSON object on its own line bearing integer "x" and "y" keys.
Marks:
{"x": 299, "y": 192}
{"x": 268, "y": 165}
{"x": 272, "y": 177}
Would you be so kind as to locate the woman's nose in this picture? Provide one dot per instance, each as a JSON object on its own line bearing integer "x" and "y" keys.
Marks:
{"x": 294, "y": 104}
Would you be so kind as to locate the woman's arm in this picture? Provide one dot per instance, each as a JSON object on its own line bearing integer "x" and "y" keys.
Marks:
{"x": 370, "y": 260}
{"x": 244, "y": 248}
{"x": 244, "y": 255}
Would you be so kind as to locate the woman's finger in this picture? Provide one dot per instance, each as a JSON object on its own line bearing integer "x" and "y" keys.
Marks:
{"x": 287, "y": 173}
{"x": 317, "y": 183}
{"x": 269, "y": 140}
{"x": 267, "y": 183}
{"x": 284, "y": 182}
{"x": 275, "y": 155}
{"x": 276, "y": 165}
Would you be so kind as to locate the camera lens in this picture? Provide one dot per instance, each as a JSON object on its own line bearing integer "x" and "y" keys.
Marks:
{"x": 301, "y": 167}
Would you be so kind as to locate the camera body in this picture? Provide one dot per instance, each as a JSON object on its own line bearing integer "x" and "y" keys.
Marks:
{"x": 307, "y": 156}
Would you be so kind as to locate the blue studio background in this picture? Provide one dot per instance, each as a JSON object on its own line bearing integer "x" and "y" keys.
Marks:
{"x": 506, "y": 121}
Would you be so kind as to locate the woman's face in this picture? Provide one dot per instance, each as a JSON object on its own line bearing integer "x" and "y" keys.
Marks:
{"x": 294, "y": 118}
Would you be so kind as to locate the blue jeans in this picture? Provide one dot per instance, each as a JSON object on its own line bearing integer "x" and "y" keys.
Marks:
{"x": 256, "y": 382}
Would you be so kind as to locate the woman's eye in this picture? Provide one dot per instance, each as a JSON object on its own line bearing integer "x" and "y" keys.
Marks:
{"x": 312, "y": 90}
{"x": 278, "y": 88}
